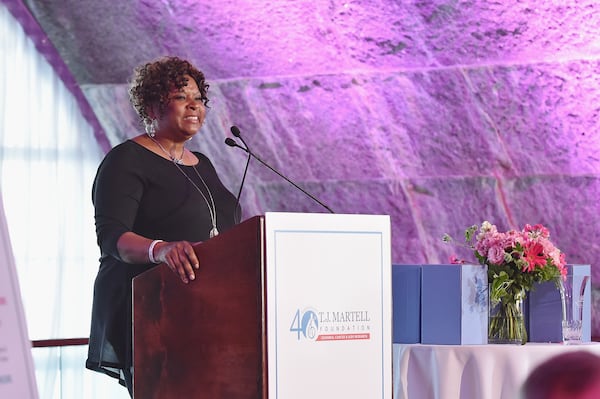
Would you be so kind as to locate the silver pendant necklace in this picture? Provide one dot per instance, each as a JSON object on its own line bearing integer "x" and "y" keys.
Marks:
{"x": 211, "y": 205}
{"x": 212, "y": 209}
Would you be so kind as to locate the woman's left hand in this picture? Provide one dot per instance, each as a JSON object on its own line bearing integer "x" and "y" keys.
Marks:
{"x": 179, "y": 257}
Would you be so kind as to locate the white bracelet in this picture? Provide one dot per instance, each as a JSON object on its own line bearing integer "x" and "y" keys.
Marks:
{"x": 151, "y": 251}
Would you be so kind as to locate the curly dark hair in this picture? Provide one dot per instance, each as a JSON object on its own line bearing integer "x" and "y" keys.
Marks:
{"x": 153, "y": 81}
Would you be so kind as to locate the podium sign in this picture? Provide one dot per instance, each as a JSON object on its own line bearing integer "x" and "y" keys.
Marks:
{"x": 328, "y": 306}
{"x": 17, "y": 377}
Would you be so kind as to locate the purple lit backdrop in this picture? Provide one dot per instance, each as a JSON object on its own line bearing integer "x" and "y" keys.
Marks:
{"x": 440, "y": 114}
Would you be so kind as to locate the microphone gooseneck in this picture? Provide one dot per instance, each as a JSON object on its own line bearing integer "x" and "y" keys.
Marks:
{"x": 232, "y": 143}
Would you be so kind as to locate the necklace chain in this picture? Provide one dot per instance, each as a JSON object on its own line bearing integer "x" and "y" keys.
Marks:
{"x": 212, "y": 209}
{"x": 178, "y": 161}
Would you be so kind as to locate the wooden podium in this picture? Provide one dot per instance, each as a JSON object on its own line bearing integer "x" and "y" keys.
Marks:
{"x": 204, "y": 339}
{"x": 208, "y": 338}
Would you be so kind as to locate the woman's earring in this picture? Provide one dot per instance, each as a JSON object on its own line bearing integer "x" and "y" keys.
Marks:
{"x": 151, "y": 127}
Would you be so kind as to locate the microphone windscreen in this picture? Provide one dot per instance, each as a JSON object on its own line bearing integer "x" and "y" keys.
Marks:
{"x": 235, "y": 131}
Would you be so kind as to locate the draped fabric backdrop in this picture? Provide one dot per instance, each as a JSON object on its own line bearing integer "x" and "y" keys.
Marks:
{"x": 48, "y": 158}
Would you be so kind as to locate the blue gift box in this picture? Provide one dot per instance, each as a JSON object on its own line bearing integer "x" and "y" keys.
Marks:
{"x": 454, "y": 304}
{"x": 545, "y": 309}
{"x": 406, "y": 304}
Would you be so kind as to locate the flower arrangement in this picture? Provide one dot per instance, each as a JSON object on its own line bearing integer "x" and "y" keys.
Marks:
{"x": 515, "y": 260}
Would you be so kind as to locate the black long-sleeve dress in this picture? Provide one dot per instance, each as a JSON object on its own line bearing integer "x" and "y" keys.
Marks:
{"x": 137, "y": 190}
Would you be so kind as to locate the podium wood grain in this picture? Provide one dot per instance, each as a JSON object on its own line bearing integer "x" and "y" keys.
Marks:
{"x": 205, "y": 339}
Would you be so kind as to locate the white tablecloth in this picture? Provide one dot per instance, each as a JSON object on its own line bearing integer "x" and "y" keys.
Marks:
{"x": 469, "y": 371}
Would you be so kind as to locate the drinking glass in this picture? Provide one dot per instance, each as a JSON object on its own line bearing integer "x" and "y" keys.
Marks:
{"x": 572, "y": 290}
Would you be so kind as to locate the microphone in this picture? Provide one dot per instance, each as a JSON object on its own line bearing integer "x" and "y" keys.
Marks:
{"x": 236, "y": 132}
{"x": 232, "y": 143}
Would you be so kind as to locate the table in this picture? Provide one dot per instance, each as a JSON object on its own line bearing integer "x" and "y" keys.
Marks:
{"x": 470, "y": 371}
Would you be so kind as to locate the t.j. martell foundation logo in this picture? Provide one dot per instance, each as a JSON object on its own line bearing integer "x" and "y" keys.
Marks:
{"x": 314, "y": 325}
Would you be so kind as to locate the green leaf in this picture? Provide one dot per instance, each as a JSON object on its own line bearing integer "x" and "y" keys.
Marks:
{"x": 470, "y": 232}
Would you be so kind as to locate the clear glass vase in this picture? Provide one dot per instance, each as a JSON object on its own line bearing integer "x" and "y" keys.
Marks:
{"x": 506, "y": 323}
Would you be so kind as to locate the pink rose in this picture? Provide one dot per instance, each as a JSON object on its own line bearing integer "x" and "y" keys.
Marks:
{"x": 496, "y": 254}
